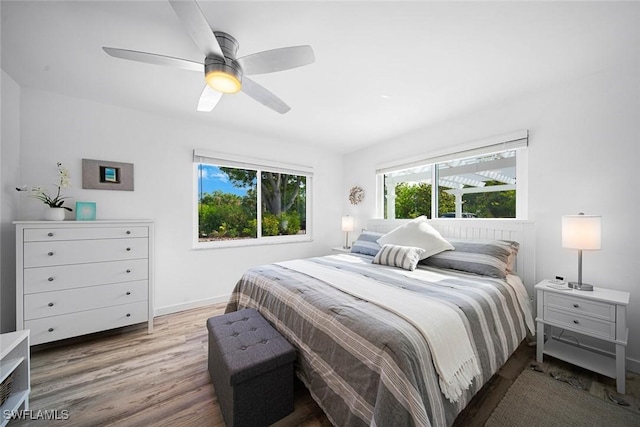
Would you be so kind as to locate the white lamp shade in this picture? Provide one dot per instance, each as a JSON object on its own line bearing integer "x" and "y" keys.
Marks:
{"x": 347, "y": 223}
{"x": 581, "y": 232}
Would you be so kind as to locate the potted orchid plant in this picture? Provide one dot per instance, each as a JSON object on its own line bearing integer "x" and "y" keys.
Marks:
{"x": 56, "y": 203}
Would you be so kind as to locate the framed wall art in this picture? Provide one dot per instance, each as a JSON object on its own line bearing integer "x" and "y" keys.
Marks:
{"x": 107, "y": 175}
{"x": 85, "y": 211}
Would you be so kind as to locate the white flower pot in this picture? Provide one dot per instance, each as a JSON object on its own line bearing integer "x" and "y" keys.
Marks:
{"x": 54, "y": 214}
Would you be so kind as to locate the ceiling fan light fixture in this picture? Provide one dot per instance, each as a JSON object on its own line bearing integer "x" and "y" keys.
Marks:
{"x": 223, "y": 82}
{"x": 222, "y": 76}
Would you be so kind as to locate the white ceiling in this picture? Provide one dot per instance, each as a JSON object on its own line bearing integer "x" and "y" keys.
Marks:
{"x": 382, "y": 68}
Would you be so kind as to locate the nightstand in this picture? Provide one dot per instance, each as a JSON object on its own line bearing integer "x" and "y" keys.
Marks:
{"x": 341, "y": 250}
{"x": 601, "y": 314}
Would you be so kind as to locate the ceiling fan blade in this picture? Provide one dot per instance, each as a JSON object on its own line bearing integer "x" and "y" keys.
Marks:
{"x": 274, "y": 60}
{"x": 209, "y": 99}
{"x": 152, "y": 58}
{"x": 197, "y": 26}
{"x": 263, "y": 96}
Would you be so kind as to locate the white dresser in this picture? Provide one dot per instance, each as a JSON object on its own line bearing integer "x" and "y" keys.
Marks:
{"x": 77, "y": 277}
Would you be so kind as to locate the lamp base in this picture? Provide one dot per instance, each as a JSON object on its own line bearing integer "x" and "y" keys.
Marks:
{"x": 578, "y": 287}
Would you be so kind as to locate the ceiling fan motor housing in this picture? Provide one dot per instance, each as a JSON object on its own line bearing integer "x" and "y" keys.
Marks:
{"x": 228, "y": 64}
{"x": 228, "y": 44}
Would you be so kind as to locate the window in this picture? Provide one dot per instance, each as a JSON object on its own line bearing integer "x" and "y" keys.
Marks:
{"x": 243, "y": 202}
{"x": 480, "y": 182}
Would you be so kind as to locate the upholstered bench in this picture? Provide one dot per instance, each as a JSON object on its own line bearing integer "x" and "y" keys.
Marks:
{"x": 251, "y": 366}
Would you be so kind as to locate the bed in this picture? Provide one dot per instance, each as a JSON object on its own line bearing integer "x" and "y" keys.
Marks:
{"x": 376, "y": 342}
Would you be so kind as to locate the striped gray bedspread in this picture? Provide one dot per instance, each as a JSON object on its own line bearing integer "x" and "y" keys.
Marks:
{"x": 358, "y": 360}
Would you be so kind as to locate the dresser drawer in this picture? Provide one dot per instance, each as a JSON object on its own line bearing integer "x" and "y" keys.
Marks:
{"x": 47, "y": 304}
{"x": 83, "y": 233}
{"x": 600, "y": 310}
{"x": 46, "y": 279}
{"x": 579, "y": 323}
{"x": 85, "y": 322}
{"x": 41, "y": 254}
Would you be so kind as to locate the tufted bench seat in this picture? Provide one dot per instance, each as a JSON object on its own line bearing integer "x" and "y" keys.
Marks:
{"x": 251, "y": 366}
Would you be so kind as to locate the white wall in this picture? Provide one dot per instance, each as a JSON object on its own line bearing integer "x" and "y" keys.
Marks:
{"x": 57, "y": 128}
{"x": 9, "y": 175}
{"x": 584, "y": 150}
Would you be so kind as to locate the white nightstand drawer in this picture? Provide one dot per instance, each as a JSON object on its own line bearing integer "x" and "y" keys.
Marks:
{"x": 583, "y": 324}
{"x": 56, "y": 278}
{"x": 71, "y": 325}
{"x": 47, "y": 304}
{"x": 40, "y": 254}
{"x": 581, "y": 306}
{"x": 84, "y": 233}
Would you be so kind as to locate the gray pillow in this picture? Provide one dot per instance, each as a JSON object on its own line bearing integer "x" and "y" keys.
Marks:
{"x": 491, "y": 258}
{"x": 367, "y": 243}
{"x": 405, "y": 257}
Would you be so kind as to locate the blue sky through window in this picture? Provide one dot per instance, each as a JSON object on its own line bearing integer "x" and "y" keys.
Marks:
{"x": 211, "y": 178}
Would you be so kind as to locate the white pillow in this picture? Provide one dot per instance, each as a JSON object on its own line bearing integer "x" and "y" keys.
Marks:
{"x": 417, "y": 233}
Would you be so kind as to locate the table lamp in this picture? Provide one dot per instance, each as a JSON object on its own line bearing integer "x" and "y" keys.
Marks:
{"x": 581, "y": 232}
{"x": 347, "y": 226}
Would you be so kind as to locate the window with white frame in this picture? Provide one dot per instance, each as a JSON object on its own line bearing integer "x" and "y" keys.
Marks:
{"x": 241, "y": 201}
{"x": 485, "y": 180}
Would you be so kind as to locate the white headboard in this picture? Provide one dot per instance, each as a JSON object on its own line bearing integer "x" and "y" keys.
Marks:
{"x": 520, "y": 231}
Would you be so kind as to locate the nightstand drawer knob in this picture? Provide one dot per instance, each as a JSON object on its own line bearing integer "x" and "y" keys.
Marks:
{"x": 128, "y": 232}
{"x": 50, "y": 329}
{"x": 128, "y": 293}
{"x": 576, "y": 305}
{"x": 50, "y": 253}
{"x": 50, "y": 234}
{"x": 50, "y": 279}
{"x": 128, "y": 314}
{"x": 576, "y": 322}
{"x": 50, "y": 304}
{"x": 128, "y": 270}
{"x": 128, "y": 249}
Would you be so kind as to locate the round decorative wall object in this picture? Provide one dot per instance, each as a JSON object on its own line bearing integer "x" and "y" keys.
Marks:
{"x": 356, "y": 195}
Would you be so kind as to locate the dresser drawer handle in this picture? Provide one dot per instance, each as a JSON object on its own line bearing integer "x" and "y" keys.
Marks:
{"x": 128, "y": 231}
{"x": 50, "y": 279}
{"x": 576, "y": 305}
{"x": 50, "y": 234}
{"x": 50, "y": 253}
{"x": 128, "y": 314}
{"x": 128, "y": 293}
{"x": 128, "y": 270}
{"x": 50, "y": 329}
{"x": 128, "y": 249}
{"x": 50, "y": 304}
{"x": 576, "y": 322}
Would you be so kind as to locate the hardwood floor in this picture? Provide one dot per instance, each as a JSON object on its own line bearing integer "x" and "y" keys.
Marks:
{"x": 129, "y": 378}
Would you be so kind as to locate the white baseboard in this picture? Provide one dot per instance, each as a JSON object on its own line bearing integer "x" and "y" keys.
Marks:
{"x": 168, "y": 309}
{"x": 633, "y": 365}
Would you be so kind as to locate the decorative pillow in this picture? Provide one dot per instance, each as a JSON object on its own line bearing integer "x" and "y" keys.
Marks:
{"x": 491, "y": 258}
{"x": 511, "y": 262}
{"x": 417, "y": 233}
{"x": 367, "y": 243}
{"x": 406, "y": 257}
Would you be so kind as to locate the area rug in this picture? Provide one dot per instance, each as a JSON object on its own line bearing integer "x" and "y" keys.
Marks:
{"x": 536, "y": 399}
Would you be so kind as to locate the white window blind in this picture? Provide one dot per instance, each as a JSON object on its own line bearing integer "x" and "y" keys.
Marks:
{"x": 242, "y": 162}
{"x": 511, "y": 141}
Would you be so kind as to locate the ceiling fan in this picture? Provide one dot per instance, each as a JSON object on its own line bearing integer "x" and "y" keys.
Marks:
{"x": 224, "y": 73}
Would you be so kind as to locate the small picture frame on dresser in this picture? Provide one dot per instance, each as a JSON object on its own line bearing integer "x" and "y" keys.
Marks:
{"x": 85, "y": 211}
